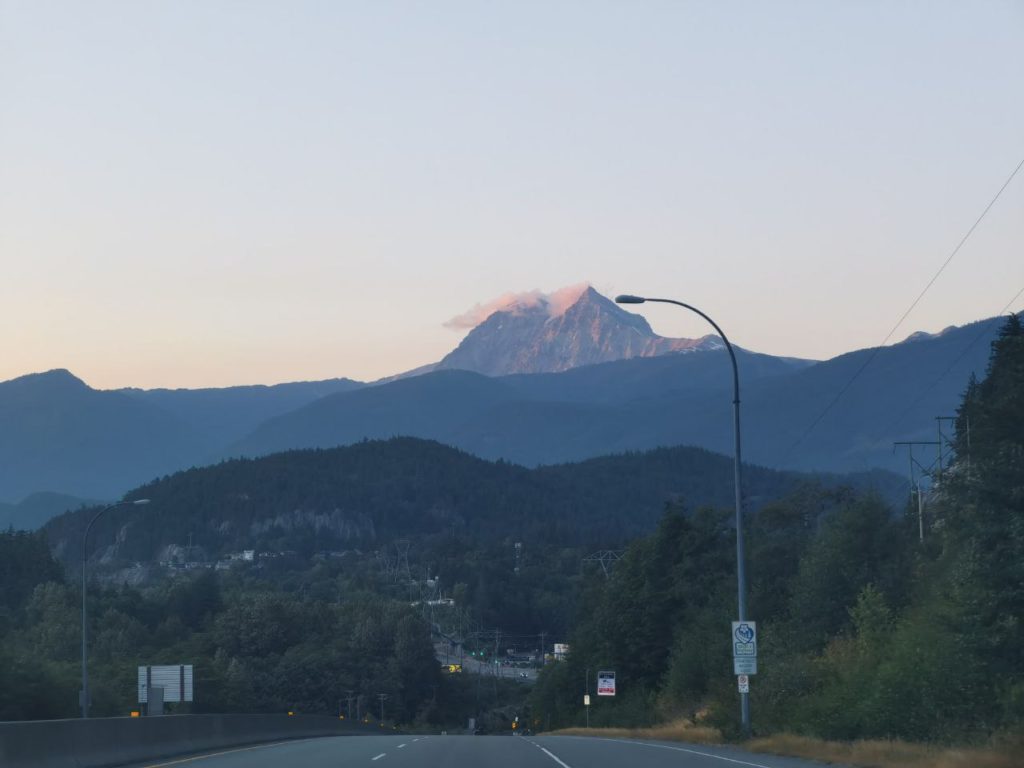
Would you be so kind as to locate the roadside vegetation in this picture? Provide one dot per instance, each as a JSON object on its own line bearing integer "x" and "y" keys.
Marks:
{"x": 865, "y": 631}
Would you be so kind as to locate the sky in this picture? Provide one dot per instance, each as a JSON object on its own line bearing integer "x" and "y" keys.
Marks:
{"x": 214, "y": 192}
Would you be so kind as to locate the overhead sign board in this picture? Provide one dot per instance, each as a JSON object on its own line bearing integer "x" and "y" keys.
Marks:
{"x": 175, "y": 679}
{"x": 744, "y": 647}
{"x": 606, "y": 683}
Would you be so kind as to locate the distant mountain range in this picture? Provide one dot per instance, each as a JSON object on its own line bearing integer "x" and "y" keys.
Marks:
{"x": 59, "y": 434}
{"x": 35, "y": 509}
{"x": 623, "y": 388}
{"x": 650, "y": 402}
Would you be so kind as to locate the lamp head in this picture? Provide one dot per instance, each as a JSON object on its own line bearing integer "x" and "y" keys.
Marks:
{"x": 628, "y": 299}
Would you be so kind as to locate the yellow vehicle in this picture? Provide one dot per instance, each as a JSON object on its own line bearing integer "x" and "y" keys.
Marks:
{"x": 451, "y": 668}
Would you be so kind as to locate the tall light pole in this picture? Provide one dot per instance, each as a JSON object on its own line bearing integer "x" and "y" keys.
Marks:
{"x": 84, "y": 693}
{"x": 741, "y": 567}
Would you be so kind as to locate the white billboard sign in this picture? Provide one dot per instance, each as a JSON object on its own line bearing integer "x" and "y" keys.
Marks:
{"x": 605, "y": 683}
{"x": 175, "y": 679}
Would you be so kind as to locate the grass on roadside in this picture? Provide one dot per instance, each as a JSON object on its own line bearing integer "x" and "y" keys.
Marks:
{"x": 884, "y": 753}
{"x": 865, "y": 754}
{"x": 678, "y": 730}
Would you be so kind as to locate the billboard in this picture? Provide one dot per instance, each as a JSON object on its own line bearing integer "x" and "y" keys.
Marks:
{"x": 175, "y": 679}
{"x": 605, "y": 683}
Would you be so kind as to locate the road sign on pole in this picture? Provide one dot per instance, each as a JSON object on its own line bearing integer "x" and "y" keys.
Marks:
{"x": 744, "y": 647}
{"x": 606, "y": 683}
{"x": 586, "y": 699}
{"x": 743, "y": 682}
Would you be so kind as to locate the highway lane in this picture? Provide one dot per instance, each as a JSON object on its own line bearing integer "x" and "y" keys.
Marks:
{"x": 479, "y": 752}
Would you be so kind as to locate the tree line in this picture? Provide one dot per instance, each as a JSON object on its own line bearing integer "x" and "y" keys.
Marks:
{"x": 864, "y": 630}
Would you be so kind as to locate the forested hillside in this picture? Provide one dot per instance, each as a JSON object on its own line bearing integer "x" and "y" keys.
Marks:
{"x": 255, "y": 648}
{"x": 366, "y": 495}
{"x": 864, "y": 630}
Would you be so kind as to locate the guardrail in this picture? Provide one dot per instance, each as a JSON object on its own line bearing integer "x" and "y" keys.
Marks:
{"x": 116, "y": 741}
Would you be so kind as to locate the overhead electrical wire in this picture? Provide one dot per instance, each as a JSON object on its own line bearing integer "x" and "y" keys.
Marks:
{"x": 876, "y": 350}
{"x": 986, "y": 328}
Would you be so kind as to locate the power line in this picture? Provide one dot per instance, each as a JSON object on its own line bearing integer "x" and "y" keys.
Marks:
{"x": 982, "y": 334}
{"x": 876, "y": 350}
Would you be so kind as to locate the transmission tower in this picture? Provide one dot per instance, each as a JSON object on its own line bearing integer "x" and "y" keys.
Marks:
{"x": 402, "y": 570}
{"x": 606, "y": 558}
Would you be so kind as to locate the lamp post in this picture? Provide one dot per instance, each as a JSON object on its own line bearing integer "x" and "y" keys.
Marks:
{"x": 741, "y": 568}
{"x": 84, "y": 693}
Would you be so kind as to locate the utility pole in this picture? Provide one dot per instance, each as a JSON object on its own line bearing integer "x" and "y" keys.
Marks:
{"x": 382, "y": 697}
{"x": 920, "y": 515}
{"x": 586, "y": 693}
{"x": 944, "y": 440}
{"x": 915, "y": 485}
{"x": 348, "y": 704}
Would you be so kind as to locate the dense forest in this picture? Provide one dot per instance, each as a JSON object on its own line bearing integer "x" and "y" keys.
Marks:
{"x": 366, "y": 495}
{"x": 864, "y": 630}
{"x": 254, "y": 648}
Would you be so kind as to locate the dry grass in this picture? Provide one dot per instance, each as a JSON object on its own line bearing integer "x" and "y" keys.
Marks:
{"x": 678, "y": 730}
{"x": 865, "y": 754}
{"x": 884, "y": 754}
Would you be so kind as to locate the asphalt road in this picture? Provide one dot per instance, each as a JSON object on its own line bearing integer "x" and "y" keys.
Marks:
{"x": 479, "y": 752}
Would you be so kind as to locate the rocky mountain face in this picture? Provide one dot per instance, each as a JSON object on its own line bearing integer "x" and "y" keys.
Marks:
{"x": 547, "y": 336}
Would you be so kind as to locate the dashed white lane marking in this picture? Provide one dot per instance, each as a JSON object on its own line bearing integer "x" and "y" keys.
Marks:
{"x": 553, "y": 757}
{"x": 674, "y": 749}
{"x": 378, "y": 757}
{"x": 401, "y": 745}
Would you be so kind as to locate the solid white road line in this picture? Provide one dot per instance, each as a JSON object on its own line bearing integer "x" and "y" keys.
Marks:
{"x": 675, "y": 749}
{"x": 224, "y": 752}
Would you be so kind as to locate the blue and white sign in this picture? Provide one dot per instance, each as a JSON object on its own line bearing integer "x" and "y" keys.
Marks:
{"x": 744, "y": 647}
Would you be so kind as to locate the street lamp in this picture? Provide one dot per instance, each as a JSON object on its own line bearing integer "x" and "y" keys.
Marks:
{"x": 741, "y": 568}
{"x": 85, "y": 555}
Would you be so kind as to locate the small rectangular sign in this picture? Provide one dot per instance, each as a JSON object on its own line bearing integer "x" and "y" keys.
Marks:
{"x": 606, "y": 683}
{"x": 747, "y": 666}
{"x": 586, "y": 699}
{"x": 743, "y": 683}
{"x": 744, "y": 638}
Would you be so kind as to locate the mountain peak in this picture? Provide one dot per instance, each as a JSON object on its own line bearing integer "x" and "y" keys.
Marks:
{"x": 542, "y": 333}
{"x": 56, "y": 380}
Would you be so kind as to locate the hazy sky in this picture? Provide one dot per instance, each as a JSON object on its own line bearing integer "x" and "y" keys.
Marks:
{"x": 210, "y": 193}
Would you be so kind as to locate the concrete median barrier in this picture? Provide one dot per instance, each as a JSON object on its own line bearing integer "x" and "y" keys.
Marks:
{"x": 116, "y": 741}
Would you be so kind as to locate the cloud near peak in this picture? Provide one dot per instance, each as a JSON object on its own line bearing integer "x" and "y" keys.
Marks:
{"x": 556, "y": 304}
